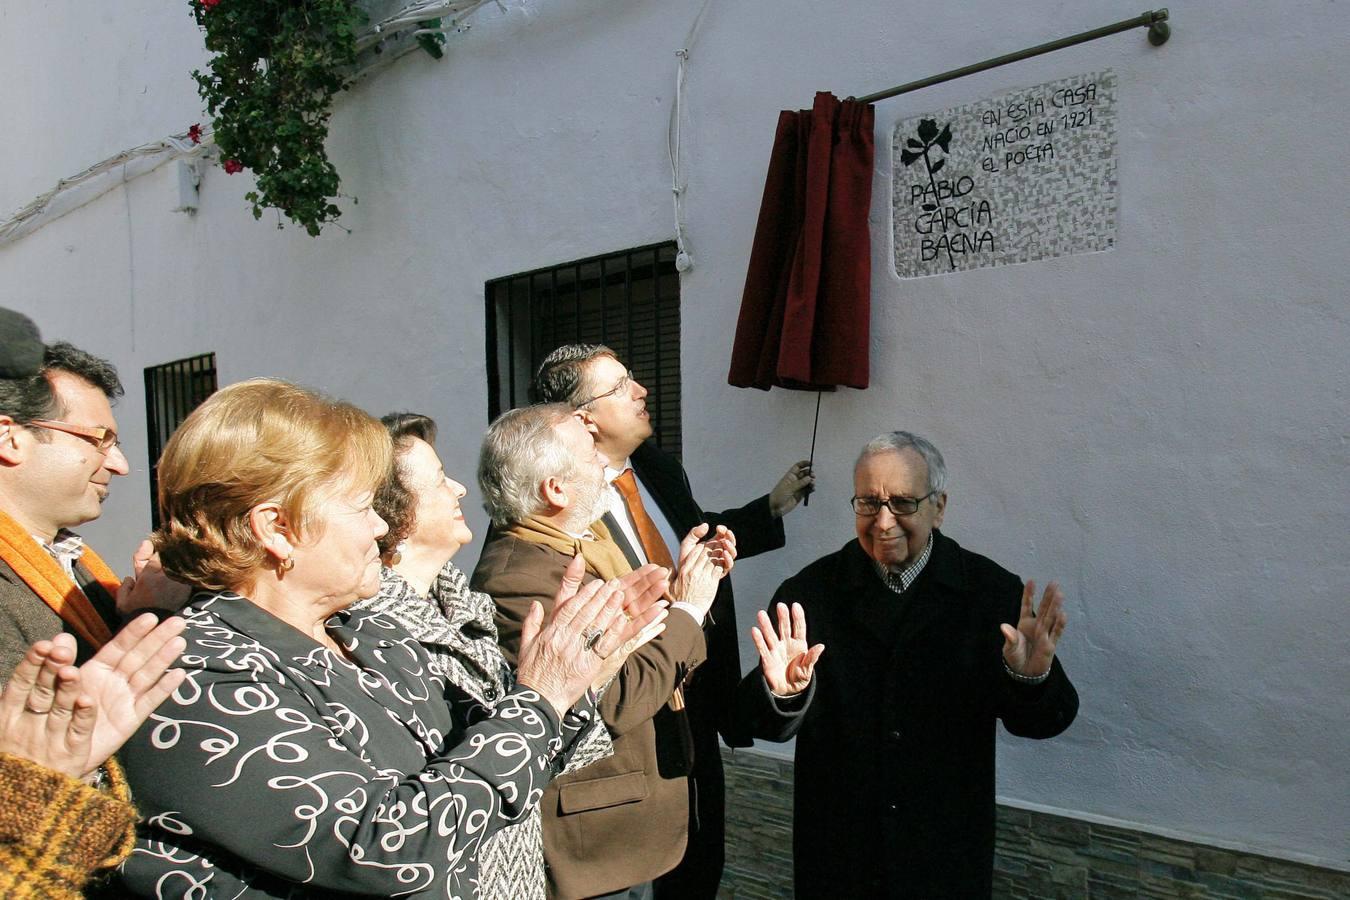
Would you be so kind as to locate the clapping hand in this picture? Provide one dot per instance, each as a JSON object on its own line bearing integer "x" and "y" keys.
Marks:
{"x": 562, "y": 658}
{"x": 72, "y": 720}
{"x": 1029, "y": 649}
{"x": 722, "y": 550}
{"x": 784, "y": 656}
{"x": 642, "y": 588}
{"x": 697, "y": 574}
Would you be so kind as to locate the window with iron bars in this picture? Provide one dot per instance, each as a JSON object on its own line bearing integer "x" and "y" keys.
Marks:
{"x": 629, "y": 301}
{"x": 173, "y": 390}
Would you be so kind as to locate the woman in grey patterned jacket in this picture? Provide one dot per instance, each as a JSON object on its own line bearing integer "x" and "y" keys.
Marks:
{"x": 423, "y": 590}
{"x": 313, "y": 749}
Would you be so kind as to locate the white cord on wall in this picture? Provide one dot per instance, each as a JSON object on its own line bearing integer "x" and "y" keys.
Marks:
{"x": 684, "y": 260}
{"x": 73, "y": 192}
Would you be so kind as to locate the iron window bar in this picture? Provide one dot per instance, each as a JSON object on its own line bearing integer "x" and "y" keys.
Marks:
{"x": 172, "y": 391}
{"x": 1155, "y": 20}
{"x": 628, "y": 299}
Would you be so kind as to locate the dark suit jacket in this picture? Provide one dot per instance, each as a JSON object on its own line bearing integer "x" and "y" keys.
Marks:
{"x": 620, "y": 821}
{"x": 25, "y": 619}
{"x": 895, "y": 760}
{"x": 712, "y": 692}
{"x": 716, "y": 695}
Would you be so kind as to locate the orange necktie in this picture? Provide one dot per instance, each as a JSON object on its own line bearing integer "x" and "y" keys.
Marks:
{"x": 652, "y": 544}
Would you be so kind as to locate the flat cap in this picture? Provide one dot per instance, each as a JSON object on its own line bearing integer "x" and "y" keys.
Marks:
{"x": 21, "y": 346}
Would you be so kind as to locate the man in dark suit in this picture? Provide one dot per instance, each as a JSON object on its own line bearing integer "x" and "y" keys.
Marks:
{"x": 931, "y": 645}
{"x": 650, "y": 505}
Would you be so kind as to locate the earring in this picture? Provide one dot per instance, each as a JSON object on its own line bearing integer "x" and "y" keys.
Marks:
{"x": 286, "y": 564}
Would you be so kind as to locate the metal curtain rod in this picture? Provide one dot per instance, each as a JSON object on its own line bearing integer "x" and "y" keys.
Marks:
{"x": 1158, "y": 33}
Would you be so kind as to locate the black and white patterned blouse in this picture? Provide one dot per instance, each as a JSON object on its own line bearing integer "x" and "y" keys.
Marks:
{"x": 454, "y": 624}
{"x": 282, "y": 769}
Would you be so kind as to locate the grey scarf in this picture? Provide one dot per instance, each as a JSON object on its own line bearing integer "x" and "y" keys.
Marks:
{"x": 455, "y": 624}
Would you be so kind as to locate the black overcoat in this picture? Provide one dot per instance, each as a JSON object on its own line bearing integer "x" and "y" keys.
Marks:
{"x": 715, "y": 704}
{"x": 895, "y": 757}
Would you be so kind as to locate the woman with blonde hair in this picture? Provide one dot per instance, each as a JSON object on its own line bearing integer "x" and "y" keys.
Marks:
{"x": 313, "y": 749}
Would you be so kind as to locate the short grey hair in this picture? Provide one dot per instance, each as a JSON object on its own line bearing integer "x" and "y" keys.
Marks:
{"x": 520, "y": 450}
{"x": 899, "y": 442}
{"x": 561, "y": 377}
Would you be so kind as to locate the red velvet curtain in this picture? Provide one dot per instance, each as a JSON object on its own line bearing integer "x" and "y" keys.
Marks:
{"x": 805, "y": 312}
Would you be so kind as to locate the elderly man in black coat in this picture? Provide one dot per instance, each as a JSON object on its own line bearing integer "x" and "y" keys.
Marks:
{"x": 930, "y": 645}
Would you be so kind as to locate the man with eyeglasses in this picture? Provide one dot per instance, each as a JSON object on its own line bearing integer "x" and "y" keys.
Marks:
{"x": 930, "y": 645}
{"x": 58, "y": 455}
{"x": 650, "y": 505}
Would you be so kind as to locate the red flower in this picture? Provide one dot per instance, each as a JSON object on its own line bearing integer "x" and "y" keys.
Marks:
{"x": 195, "y": 133}
{"x": 232, "y": 166}
{"x": 208, "y": 4}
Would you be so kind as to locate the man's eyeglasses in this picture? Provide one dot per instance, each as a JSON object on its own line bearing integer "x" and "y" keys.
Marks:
{"x": 899, "y": 506}
{"x": 102, "y": 438}
{"x": 621, "y": 387}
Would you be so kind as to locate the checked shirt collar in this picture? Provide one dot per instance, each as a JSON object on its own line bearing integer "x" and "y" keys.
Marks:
{"x": 900, "y": 581}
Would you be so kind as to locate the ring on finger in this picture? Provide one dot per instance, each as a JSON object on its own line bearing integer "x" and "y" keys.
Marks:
{"x": 591, "y": 637}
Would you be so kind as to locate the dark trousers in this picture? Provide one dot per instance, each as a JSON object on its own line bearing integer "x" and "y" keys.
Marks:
{"x": 700, "y": 872}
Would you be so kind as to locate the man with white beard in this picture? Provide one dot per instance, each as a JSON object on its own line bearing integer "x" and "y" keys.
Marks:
{"x": 611, "y": 827}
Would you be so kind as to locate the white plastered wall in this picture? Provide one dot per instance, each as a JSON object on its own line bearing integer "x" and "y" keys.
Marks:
{"x": 1161, "y": 426}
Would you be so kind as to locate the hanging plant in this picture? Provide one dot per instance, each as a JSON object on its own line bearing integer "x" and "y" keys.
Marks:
{"x": 269, "y": 89}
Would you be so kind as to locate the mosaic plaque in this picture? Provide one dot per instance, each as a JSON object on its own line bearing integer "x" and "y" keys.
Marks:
{"x": 1026, "y": 175}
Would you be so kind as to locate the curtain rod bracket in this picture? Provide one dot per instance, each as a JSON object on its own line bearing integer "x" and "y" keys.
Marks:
{"x": 1159, "y": 31}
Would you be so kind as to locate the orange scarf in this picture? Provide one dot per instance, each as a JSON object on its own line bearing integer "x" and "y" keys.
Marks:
{"x": 45, "y": 577}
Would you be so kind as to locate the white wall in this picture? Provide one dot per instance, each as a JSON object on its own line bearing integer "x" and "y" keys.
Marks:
{"x": 1161, "y": 426}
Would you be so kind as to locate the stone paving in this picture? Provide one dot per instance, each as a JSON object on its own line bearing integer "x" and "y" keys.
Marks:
{"x": 1038, "y": 855}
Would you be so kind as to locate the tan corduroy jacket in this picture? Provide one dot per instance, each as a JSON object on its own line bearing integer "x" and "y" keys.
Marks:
{"x": 623, "y": 820}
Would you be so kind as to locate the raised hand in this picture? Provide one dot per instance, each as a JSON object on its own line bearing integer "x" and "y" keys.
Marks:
{"x": 796, "y": 484}
{"x": 1029, "y": 649}
{"x": 42, "y": 716}
{"x": 72, "y": 720}
{"x": 785, "y": 658}
{"x": 129, "y": 677}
